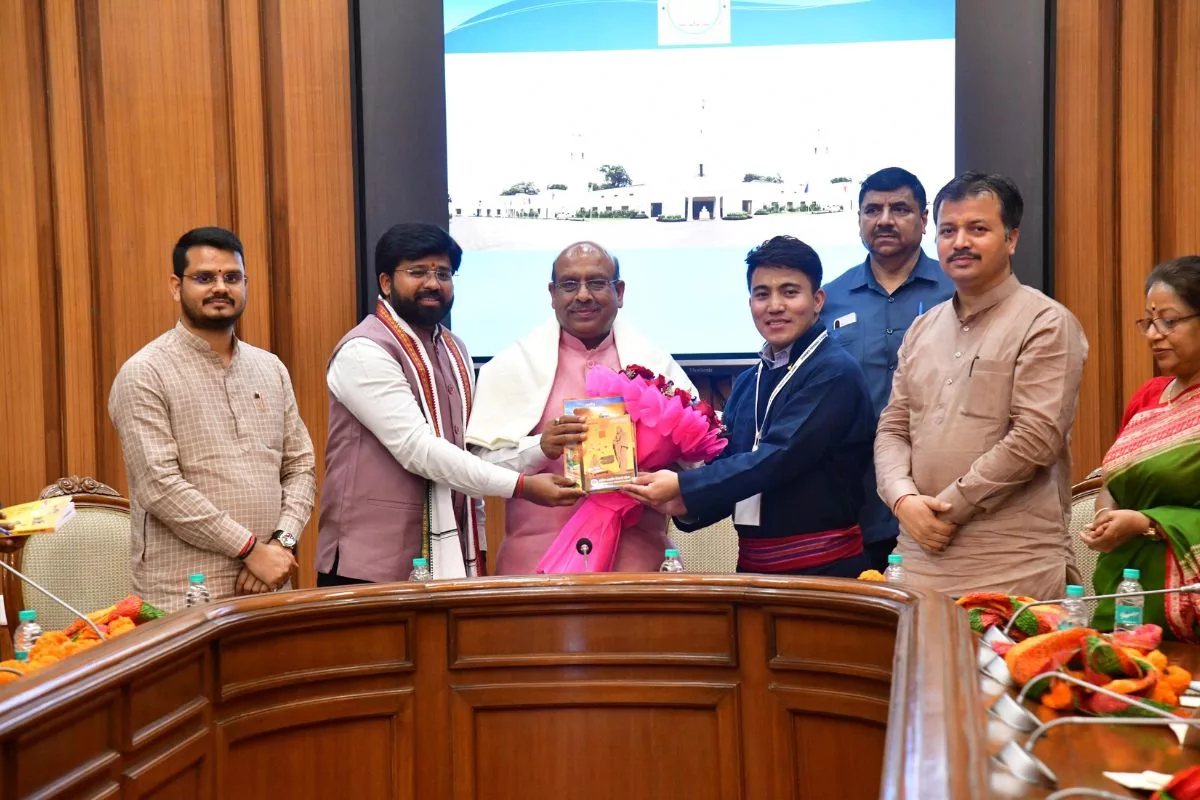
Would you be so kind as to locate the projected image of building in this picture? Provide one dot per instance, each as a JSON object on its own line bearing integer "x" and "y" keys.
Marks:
{"x": 717, "y": 188}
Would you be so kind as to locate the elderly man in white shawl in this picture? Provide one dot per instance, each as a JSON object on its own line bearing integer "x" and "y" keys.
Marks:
{"x": 518, "y": 415}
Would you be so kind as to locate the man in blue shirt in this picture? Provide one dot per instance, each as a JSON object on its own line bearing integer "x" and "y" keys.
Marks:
{"x": 801, "y": 430}
{"x": 869, "y": 308}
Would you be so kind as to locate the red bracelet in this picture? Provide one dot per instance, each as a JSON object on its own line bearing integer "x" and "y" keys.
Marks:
{"x": 896, "y": 508}
{"x": 248, "y": 548}
{"x": 520, "y": 490}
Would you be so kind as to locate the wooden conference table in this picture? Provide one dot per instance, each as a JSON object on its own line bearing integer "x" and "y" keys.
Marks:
{"x": 581, "y": 687}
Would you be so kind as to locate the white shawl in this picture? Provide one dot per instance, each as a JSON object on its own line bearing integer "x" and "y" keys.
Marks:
{"x": 514, "y": 387}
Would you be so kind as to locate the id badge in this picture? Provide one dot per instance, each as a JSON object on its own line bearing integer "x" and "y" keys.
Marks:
{"x": 746, "y": 512}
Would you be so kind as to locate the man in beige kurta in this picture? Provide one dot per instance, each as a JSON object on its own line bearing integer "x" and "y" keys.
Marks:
{"x": 221, "y": 469}
{"x": 972, "y": 451}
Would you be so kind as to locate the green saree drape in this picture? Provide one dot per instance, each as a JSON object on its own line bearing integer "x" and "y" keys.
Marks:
{"x": 1154, "y": 467}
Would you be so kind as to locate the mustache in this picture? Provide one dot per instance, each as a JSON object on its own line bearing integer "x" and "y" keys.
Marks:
{"x": 430, "y": 293}
{"x": 963, "y": 254}
{"x": 217, "y": 297}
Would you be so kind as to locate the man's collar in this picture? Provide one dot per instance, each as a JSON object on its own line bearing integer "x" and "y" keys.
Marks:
{"x": 997, "y": 294}
{"x": 785, "y": 356}
{"x": 197, "y": 342}
{"x": 775, "y": 359}
{"x": 571, "y": 342}
{"x": 926, "y": 269}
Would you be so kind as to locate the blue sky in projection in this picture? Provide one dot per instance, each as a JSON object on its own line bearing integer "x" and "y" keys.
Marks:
{"x": 527, "y": 26}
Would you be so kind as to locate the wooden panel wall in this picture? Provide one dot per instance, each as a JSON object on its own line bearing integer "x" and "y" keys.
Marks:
{"x": 129, "y": 123}
{"x": 1127, "y": 141}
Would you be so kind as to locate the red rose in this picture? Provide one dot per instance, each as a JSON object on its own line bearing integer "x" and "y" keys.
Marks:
{"x": 708, "y": 411}
{"x": 1184, "y": 786}
{"x": 638, "y": 371}
{"x": 661, "y": 383}
{"x": 685, "y": 399}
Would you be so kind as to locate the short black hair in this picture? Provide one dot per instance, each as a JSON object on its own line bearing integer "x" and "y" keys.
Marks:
{"x": 409, "y": 241}
{"x": 787, "y": 252}
{"x": 1182, "y": 275}
{"x": 893, "y": 179}
{"x": 219, "y": 238}
{"x": 973, "y": 184}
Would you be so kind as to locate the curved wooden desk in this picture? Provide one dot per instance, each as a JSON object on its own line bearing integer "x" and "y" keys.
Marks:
{"x": 562, "y": 687}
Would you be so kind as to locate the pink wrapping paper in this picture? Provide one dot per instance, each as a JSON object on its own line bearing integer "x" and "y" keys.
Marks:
{"x": 669, "y": 428}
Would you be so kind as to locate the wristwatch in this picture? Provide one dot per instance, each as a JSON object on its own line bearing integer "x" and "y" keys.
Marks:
{"x": 288, "y": 540}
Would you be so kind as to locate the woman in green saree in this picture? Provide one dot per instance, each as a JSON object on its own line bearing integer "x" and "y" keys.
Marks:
{"x": 1148, "y": 514}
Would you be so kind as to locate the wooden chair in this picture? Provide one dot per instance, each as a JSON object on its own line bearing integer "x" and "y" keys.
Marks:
{"x": 86, "y": 562}
{"x": 1083, "y": 510}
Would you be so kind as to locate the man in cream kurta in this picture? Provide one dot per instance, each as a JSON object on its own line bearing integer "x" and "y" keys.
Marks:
{"x": 973, "y": 450}
{"x": 518, "y": 417}
{"x": 221, "y": 469}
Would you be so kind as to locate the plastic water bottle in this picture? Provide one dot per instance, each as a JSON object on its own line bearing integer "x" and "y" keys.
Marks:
{"x": 197, "y": 591}
{"x": 672, "y": 562}
{"x": 27, "y": 633}
{"x": 1129, "y": 609}
{"x": 1073, "y": 605}
{"x": 895, "y": 569}
{"x": 420, "y": 571}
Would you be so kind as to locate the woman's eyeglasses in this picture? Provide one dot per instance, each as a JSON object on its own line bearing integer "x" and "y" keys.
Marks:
{"x": 1163, "y": 326}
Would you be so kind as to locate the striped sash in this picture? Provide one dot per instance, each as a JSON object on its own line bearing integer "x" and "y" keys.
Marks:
{"x": 800, "y": 552}
{"x": 440, "y": 538}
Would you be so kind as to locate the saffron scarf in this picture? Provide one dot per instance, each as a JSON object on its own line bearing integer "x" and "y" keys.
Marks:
{"x": 442, "y": 545}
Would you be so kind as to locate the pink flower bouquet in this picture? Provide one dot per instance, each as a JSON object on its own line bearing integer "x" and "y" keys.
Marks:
{"x": 671, "y": 426}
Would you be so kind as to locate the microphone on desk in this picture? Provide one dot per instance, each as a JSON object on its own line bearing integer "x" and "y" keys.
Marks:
{"x": 583, "y": 547}
{"x": 53, "y": 597}
{"x": 1012, "y": 712}
{"x": 1021, "y": 762}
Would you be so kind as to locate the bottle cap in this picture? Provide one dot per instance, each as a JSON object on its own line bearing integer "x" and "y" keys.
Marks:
{"x": 420, "y": 562}
{"x": 1074, "y": 591}
{"x": 1132, "y": 574}
{"x": 21, "y": 655}
{"x": 28, "y": 615}
{"x": 196, "y": 578}
{"x": 672, "y": 553}
{"x": 895, "y": 558}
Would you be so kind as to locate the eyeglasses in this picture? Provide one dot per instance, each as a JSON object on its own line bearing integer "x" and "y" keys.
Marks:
{"x": 1163, "y": 326}
{"x": 209, "y": 278}
{"x": 594, "y": 286}
{"x": 420, "y": 274}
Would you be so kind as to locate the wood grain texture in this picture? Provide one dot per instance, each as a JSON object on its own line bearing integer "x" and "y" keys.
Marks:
{"x": 1084, "y": 240}
{"x": 1125, "y": 122}
{"x": 378, "y": 705}
{"x": 1179, "y": 145}
{"x": 82, "y": 395}
{"x": 131, "y": 123}
{"x": 312, "y": 205}
{"x": 29, "y": 345}
{"x": 1137, "y": 200}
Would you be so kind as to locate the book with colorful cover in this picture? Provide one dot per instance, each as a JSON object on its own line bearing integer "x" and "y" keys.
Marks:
{"x": 38, "y": 516}
{"x": 607, "y": 458}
